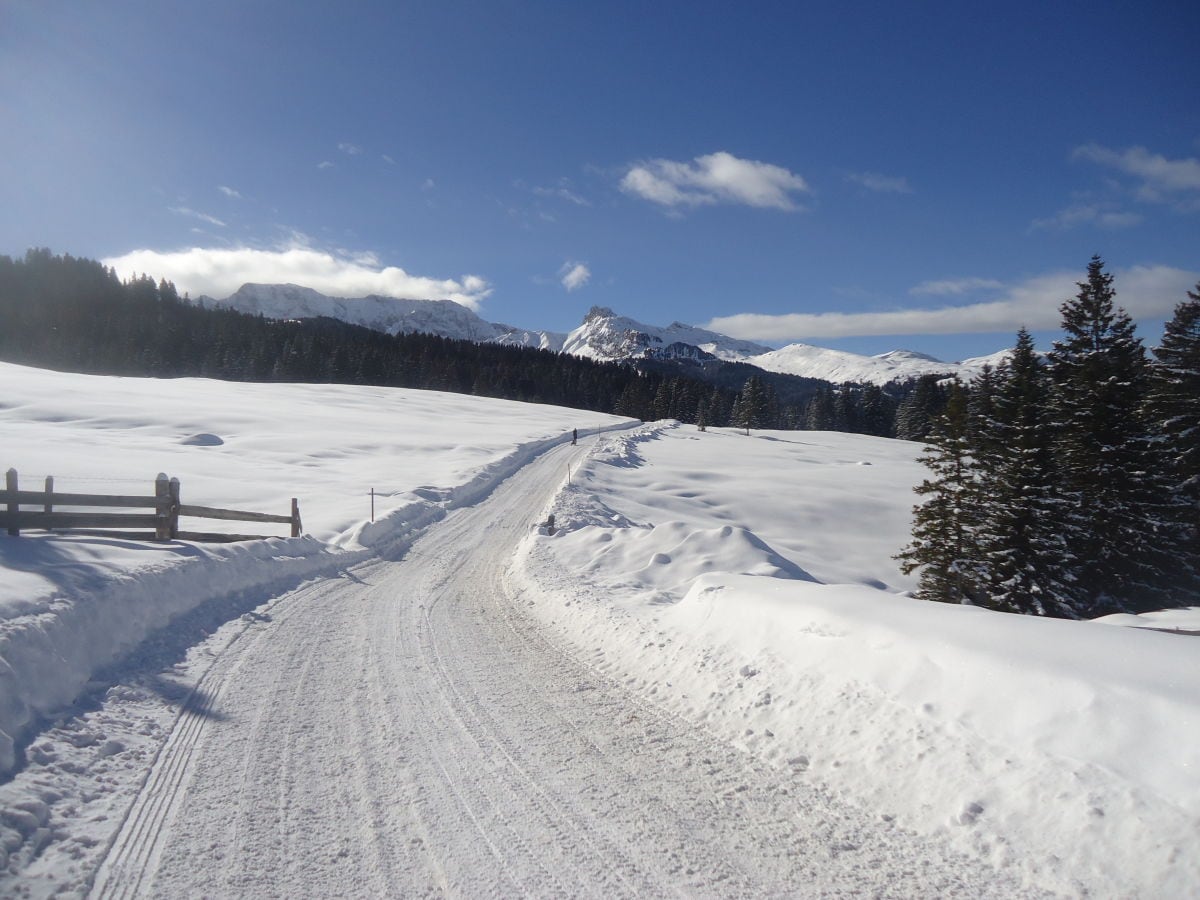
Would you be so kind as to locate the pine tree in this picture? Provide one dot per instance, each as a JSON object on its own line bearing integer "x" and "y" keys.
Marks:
{"x": 660, "y": 408}
{"x": 1129, "y": 538}
{"x": 819, "y": 414}
{"x": 981, "y": 408}
{"x": 1025, "y": 560}
{"x": 876, "y": 416}
{"x": 1174, "y": 403}
{"x": 753, "y": 405}
{"x": 943, "y": 537}
{"x": 914, "y": 418}
{"x": 846, "y": 408}
{"x": 718, "y": 408}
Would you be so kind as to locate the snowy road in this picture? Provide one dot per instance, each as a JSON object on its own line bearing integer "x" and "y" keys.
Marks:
{"x": 404, "y": 730}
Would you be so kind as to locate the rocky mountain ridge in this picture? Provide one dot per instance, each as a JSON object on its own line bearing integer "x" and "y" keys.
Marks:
{"x": 603, "y": 335}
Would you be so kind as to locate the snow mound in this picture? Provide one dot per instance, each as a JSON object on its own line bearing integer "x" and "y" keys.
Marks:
{"x": 664, "y": 560}
{"x": 1065, "y": 753}
{"x": 202, "y": 440}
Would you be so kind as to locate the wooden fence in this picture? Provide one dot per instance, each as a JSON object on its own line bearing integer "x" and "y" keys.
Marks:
{"x": 162, "y": 520}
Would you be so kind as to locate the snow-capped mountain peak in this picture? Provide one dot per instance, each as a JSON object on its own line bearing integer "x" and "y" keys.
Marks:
{"x": 392, "y": 315}
{"x": 838, "y": 365}
{"x": 603, "y": 335}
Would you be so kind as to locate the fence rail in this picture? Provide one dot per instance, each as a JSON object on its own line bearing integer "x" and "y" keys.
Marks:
{"x": 164, "y": 520}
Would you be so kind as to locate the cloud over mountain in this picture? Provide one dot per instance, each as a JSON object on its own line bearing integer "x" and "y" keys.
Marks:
{"x": 1144, "y": 291}
{"x": 574, "y": 275}
{"x": 219, "y": 272}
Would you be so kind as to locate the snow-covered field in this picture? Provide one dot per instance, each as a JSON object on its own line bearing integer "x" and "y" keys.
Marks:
{"x": 71, "y": 605}
{"x": 742, "y": 584}
{"x": 745, "y": 582}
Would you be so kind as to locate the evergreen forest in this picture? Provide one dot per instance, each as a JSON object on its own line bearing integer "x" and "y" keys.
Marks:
{"x": 1070, "y": 486}
{"x": 75, "y": 314}
{"x": 1061, "y": 486}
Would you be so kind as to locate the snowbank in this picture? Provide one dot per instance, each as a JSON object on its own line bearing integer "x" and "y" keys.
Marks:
{"x": 72, "y": 605}
{"x": 760, "y": 599}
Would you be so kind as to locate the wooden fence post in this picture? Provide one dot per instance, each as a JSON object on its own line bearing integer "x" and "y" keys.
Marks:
{"x": 173, "y": 517}
{"x": 10, "y": 482}
{"x": 48, "y": 503}
{"x": 295, "y": 517}
{"x": 162, "y": 507}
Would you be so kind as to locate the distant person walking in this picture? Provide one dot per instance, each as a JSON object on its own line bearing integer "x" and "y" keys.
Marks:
{"x": 574, "y": 436}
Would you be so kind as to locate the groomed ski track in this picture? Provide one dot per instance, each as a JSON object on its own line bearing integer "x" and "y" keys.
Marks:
{"x": 404, "y": 730}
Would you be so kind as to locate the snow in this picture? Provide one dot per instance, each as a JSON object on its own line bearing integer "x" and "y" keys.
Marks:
{"x": 745, "y": 583}
{"x": 72, "y": 605}
{"x": 839, "y": 366}
{"x": 742, "y": 588}
{"x": 388, "y": 314}
{"x": 603, "y": 335}
{"x": 606, "y": 336}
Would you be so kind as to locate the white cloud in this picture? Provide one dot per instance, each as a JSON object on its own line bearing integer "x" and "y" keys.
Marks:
{"x": 229, "y": 192}
{"x": 884, "y": 184}
{"x": 387, "y": 159}
{"x": 574, "y": 275}
{"x": 349, "y": 149}
{"x": 1146, "y": 292}
{"x": 1103, "y": 215}
{"x": 955, "y": 286}
{"x": 325, "y": 164}
{"x": 220, "y": 272}
{"x": 715, "y": 178}
{"x": 193, "y": 214}
{"x": 562, "y": 192}
{"x": 1162, "y": 179}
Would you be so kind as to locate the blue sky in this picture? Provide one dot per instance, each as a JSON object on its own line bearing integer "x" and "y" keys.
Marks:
{"x": 864, "y": 175}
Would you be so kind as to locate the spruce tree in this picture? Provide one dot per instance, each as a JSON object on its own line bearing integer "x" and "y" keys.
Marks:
{"x": 1174, "y": 403}
{"x": 846, "y": 408}
{"x": 1025, "y": 559}
{"x": 819, "y": 414}
{"x": 752, "y": 405}
{"x": 981, "y": 410}
{"x": 914, "y": 418}
{"x": 1128, "y": 538}
{"x": 943, "y": 543}
{"x": 875, "y": 416}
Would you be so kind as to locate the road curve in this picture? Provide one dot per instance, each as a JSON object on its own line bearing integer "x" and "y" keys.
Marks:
{"x": 404, "y": 731}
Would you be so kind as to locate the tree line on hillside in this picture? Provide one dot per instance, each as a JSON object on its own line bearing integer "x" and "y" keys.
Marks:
{"x": 1070, "y": 487}
{"x": 75, "y": 314}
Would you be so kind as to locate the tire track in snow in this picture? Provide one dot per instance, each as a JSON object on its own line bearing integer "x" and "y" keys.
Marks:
{"x": 133, "y": 854}
{"x": 413, "y": 733}
{"x": 486, "y": 780}
{"x": 659, "y": 865}
{"x": 133, "y": 858}
{"x": 568, "y": 834}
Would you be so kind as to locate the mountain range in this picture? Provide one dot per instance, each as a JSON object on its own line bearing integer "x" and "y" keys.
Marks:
{"x": 603, "y": 336}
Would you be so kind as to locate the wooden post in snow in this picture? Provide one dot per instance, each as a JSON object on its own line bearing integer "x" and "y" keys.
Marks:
{"x": 162, "y": 507}
{"x": 296, "y": 526}
{"x": 10, "y": 482}
{"x": 48, "y": 503}
{"x": 173, "y": 511}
